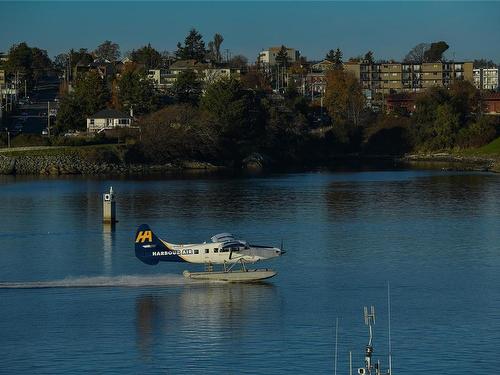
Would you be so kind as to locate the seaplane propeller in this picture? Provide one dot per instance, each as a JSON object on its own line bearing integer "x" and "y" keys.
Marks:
{"x": 282, "y": 249}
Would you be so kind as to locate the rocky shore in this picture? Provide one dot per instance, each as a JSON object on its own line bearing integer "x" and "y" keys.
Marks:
{"x": 75, "y": 164}
{"x": 447, "y": 161}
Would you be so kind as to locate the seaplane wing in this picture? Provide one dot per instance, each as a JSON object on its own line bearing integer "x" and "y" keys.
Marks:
{"x": 223, "y": 249}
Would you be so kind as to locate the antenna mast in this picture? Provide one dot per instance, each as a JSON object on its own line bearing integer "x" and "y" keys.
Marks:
{"x": 389, "y": 317}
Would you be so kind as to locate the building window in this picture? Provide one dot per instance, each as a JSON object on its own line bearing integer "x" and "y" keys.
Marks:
{"x": 207, "y": 251}
{"x": 216, "y": 250}
{"x": 196, "y": 251}
{"x": 91, "y": 121}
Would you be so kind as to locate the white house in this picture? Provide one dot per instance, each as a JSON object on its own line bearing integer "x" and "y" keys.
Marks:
{"x": 108, "y": 119}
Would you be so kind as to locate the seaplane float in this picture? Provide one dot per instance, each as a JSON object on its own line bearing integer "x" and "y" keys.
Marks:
{"x": 223, "y": 249}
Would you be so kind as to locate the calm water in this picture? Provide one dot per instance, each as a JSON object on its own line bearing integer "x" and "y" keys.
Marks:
{"x": 91, "y": 306}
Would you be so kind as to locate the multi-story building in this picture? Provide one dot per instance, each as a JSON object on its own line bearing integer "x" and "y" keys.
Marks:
{"x": 486, "y": 78}
{"x": 394, "y": 77}
{"x": 268, "y": 57}
{"x": 2, "y": 77}
{"x": 165, "y": 78}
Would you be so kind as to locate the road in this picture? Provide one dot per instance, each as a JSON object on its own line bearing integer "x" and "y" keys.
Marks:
{"x": 33, "y": 117}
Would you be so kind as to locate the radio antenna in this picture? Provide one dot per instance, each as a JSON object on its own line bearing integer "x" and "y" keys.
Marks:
{"x": 389, "y": 317}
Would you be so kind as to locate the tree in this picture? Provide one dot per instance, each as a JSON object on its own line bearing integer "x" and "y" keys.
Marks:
{"x": 40, "y": 64}
{"x": 108, "y": 51}
{"x": 238, "y": 61}
{"x": 255, "y": 80}
{"x": 445, "y": 127}
{"x": 229, "y": 112}
{"x": 483, "y": 63}
{"x": 89, "y": 96}
{"x": 344, "y": 97}
{"x": 147, "y": 56}
{"x": 187, "y": 88}
{"x": 369, "y": 57}
{"x": 218, "y": 39}
{"x": 61, "y": 61}
{"x": 194, "y": 47}
{"x": 330, "y": 56}
{"x": 82, "y": 57}
{"x": 282, "y": 57}
{"x": 337, "y": 60}
{"x": 27, "y": 63}
{"x": 136, "y": 90}
{"x": 417, "y": 53}
{"x": 172, "y": 133}
{"x": 435, "y": 52}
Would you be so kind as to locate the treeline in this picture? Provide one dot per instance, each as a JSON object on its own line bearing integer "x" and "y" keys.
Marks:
{"x": 227, "y": 120}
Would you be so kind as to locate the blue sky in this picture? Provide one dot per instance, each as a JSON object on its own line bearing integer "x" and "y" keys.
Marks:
{"x": 390, "y": 29}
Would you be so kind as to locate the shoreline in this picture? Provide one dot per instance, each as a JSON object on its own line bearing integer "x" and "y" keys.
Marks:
{"x": 69, "y": 161}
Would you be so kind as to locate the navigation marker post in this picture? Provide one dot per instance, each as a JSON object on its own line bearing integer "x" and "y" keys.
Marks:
{"x": 109, "y": 207}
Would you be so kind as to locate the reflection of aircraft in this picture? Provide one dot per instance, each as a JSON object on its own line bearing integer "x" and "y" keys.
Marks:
{"x": 223, "y": 249}
{"x": 168, "y": 317}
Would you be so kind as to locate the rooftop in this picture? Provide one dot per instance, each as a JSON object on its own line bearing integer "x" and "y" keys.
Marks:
{"x": 110, "y": 113}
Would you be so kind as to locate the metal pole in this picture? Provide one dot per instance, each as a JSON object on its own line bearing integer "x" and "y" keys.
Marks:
{"x": 350, "y": 363}
{"x": 336, "y": 342}
{"x": 48, "y": 119}
{"x": 25, "y": 91}
{"x": 389, "y": 315}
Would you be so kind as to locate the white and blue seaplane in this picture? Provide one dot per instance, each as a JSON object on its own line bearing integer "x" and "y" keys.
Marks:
{"x": 223, "y": 249}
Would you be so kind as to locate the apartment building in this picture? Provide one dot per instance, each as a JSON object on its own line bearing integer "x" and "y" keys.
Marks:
{"x": 268, "y": 56}
{"x": 395, "y": 77}
{"x": 486, "y": 78}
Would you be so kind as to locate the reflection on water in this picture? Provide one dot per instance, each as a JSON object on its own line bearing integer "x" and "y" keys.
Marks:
{"x": 206, "y": 314}
{"x": 108, "y": 234}
{"x": 72, "y": 289}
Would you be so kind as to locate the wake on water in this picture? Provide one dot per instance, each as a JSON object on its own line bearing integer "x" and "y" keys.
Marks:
{"x": 132, "y": 281}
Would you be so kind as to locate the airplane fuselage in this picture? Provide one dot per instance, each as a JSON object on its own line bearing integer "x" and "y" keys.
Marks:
{"x": 150, "y": 249}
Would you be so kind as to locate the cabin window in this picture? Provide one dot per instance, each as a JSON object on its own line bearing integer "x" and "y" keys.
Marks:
{"x": 216, "y": 250}
{"x": 196, "y": 251}
{"x": 207, "y": 251}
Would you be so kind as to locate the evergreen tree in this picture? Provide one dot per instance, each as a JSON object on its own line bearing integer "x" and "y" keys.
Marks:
{"x": 282, "y": 57}
{"x": 148, "y": 56}
{"x": 194, "y": 47}
{"x": 136, "y": 90}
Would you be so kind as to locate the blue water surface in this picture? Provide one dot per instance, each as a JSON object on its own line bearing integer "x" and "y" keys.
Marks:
{"x": 74, "y": 299}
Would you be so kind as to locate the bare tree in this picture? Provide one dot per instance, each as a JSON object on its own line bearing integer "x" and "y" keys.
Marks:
{"x": 218, "y": 39}
{"x": 417, "y": 53}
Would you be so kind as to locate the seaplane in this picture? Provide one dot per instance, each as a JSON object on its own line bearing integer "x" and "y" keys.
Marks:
{"x": 222, "y": 249}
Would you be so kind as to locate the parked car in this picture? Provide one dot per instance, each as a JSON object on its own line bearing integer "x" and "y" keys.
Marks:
{"x": 45, "y": 132}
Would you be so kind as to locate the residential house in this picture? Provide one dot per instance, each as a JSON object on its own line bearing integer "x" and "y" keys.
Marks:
{"x": 322, "y": 66}
{"x": 491, "y": 103}
{"x": 103, "y": 67}
{"x": 108, "y": 119}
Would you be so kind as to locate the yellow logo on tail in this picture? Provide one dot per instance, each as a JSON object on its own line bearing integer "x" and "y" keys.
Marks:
{"x": 143, "y": 236}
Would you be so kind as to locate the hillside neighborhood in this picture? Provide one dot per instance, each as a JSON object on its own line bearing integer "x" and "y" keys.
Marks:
{"x": 200, "y": 102}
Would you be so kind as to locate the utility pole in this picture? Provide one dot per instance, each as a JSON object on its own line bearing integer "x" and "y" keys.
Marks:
{"x": 25, "y": 90}
{"x": 8, "y": 137}
{"x": 48, "y": 119}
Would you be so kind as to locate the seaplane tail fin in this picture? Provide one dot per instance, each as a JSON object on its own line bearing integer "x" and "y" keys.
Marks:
{"x": 147, "y": 244}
